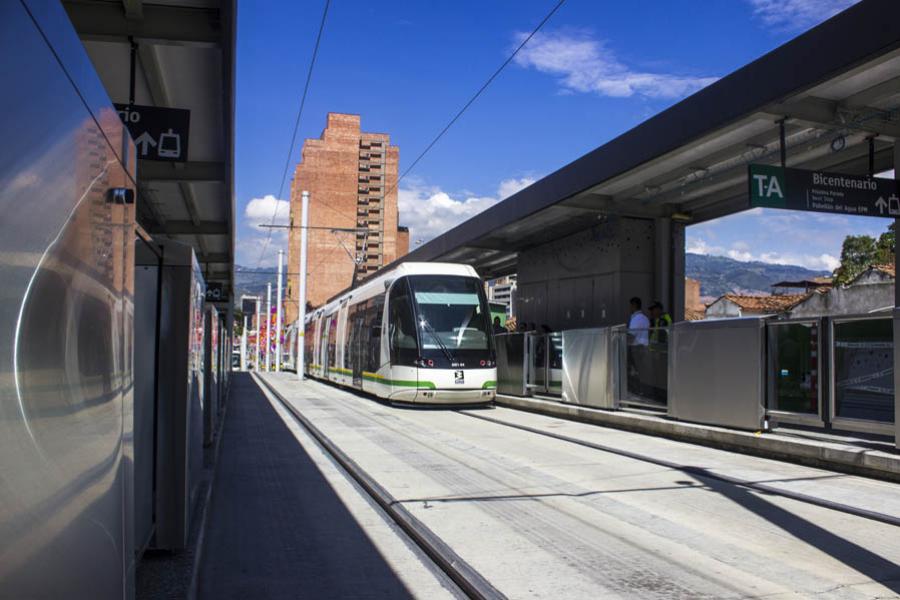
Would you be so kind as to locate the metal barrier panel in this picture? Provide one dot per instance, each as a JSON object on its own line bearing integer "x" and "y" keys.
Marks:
{"x": 896, "y": 382}
{"x": 794, "y": 392}
{"x": 511, "y": 370}
{"x": 586, "y": 368}
{"x": 716, "y": 372}
{"x": 862, "y": 374}
{"x": 66, "y": 266}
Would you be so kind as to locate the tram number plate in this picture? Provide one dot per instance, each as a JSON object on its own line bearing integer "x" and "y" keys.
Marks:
{"x": 459, "y": 376}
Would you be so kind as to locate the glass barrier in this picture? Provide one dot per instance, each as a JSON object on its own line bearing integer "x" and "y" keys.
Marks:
{"x": 554, "y": 363}
{"x": 863, "y": 369}
{"x": 794, "y": 367}
{"x": 642, "y": 376}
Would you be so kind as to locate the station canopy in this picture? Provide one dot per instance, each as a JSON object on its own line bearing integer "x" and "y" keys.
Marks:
{"x": 835, "y": 87}
{"x": 184, "y": 59}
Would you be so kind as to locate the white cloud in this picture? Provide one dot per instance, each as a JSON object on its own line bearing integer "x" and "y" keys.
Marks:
{"x": 508, "y": 187}
{"x": 249, "y": 246}
{"x": 696, "y": 245}
{"x": 430, "y": 211}
{"x": 797, "y": 14}
{"x": 741, "y": 251}
{"x": 586, "y": 65}
{"x": 260, "y": 211}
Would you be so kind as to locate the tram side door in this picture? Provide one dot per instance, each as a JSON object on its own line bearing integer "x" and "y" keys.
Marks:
{"x": 359, "y": 341}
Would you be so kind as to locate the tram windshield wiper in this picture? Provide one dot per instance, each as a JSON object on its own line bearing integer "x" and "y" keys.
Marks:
{"x": 434, "y": 335}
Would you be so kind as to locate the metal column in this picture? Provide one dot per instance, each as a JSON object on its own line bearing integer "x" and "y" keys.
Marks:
{"x": 301, "y": 319}
{"x": 278, "y": 313}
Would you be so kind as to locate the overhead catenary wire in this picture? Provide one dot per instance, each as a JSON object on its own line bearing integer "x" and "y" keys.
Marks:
{"x": 471, "y": 100}
{"x": 287, "y": 161}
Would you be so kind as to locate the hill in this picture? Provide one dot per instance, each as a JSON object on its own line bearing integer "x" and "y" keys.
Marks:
{"x": 720, "y": 275}
{"x": 252, "y": 282}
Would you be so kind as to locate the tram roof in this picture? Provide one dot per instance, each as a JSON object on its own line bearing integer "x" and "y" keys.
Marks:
{"x": 185, "y": 59}
{"x": 835, "y": 86}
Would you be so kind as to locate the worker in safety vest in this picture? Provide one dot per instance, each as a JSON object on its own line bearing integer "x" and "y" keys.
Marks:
{"x": 659, "y": 320}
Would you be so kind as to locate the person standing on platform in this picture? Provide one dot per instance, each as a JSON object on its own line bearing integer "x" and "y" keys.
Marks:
{"x": 638, "y": 341}
{"x": 660, "y": 321}
{"x": 498, "y": 328}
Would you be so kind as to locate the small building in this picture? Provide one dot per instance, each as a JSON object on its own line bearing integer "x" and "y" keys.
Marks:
{"x": 802, "y": 285}
{"x": 735, "y": 305}
{"x": 871, "y": 291}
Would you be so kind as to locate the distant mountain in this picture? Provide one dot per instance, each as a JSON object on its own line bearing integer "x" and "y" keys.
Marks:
{"x": 720, "y": 275}
{"x": 252, "y": 282}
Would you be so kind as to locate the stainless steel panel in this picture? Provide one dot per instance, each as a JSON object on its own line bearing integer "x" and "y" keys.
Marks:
{"x": 65, "y": 310}
{"x": 511, "y": 371}
{"x": 211, "y": 374}
{"x": 716, "y": 372}
{"x": 587, "y": 373}
{"x": 145, "y": 306}
{"x": 179, "y": 437}
{"x": 896, "y": 379}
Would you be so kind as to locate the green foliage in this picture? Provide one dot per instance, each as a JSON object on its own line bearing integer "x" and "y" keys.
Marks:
{"x": 859, "y": 252}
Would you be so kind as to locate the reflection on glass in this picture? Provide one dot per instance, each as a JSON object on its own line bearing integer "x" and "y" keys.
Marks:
{"x": 454, "y": 310}
{"x": 864, "y": 370}
{"x": 795, "y": 364}
{"x": 646, "y": 366}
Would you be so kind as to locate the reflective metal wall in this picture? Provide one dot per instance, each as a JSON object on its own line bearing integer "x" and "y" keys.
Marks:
{"x": 511, "y": 371}
{"x": 717, "y": 372}
{"x": 178, "y": 388}
{"x": 586, "y": 372}
{"x": 66, "y": 266}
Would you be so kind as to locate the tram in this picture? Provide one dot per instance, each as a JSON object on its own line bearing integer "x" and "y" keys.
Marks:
{"x": 419, "y": 333}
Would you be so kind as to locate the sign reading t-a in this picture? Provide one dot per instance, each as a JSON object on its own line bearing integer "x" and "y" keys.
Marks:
{"x": 799, "y": 189}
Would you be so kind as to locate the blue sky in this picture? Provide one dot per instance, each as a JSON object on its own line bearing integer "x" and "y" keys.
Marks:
{"x": 597, "y": 70}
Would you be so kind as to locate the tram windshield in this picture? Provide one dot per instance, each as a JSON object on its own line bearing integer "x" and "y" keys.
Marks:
{"x": 452, "y": 313}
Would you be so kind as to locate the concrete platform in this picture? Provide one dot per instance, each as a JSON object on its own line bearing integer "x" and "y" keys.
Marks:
{"x": 847, "y": 455}
{"x": 284, "y": 521}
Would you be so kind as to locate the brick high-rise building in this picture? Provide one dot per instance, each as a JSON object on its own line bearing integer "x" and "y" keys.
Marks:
{"x": 351, "y": 177}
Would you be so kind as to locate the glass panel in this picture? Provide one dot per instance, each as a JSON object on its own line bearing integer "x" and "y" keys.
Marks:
{"x": 452, "y": 313}
{"x": 795, "y": 367}
{"x": 646, "y": 366}
{"x": 864, "y": 370}
{"x": 555, "y": 346}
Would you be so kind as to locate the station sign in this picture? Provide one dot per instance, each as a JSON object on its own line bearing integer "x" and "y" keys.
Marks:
{"x": 248, "y": 306}
{"x": 158, "y": 133}
{"x": 818, "y": 191}
{"x": 215, "y": 292}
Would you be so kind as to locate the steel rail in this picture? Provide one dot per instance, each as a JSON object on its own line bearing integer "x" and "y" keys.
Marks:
{"x": 701, "y": 473}
{"x": 470, "y": 581}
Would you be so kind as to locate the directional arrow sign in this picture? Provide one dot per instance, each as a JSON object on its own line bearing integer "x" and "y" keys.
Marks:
{"x": 158, "y": 133}
{"x": 817, "y": 191}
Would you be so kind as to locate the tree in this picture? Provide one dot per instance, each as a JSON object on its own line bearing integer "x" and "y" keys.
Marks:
{"x": 859, "y": 252}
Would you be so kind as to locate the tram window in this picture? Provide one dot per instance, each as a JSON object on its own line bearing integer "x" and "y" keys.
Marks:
{"x": 402, "y": 327}
{"x": 350, "y": 333}
{"x": 332, "y": 341}
{"x": 374, "y": 308}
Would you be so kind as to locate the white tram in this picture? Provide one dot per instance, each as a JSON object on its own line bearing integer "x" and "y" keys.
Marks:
{"x": 418, "y": 333}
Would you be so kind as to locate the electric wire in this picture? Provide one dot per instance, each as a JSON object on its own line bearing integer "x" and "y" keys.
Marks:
{"x": 471, "y": 100}
{"x": 287, "y": 162}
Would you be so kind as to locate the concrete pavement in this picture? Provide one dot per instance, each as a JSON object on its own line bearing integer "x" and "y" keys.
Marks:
{"x": 540, "y": 517}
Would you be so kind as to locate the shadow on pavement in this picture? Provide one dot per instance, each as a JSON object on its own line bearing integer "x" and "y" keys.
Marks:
{"x": 276, "y": 528}
{"x": 859, "y": 558}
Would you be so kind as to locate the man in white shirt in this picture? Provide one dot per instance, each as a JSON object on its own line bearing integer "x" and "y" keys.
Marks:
{"x": 638, "y": 324}
{"x": 638, "y": 346}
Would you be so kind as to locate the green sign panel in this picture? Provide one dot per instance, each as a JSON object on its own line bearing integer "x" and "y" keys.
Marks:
{"x": 817, "y": 191}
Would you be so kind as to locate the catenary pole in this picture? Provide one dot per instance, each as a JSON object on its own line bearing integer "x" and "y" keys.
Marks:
{"x": 278, "y": 313}
{"x": 301, "y": 319}
{"x": 244, "y": 346}
{"x": 268, "y": 326}
{"x": 258, "y": 339}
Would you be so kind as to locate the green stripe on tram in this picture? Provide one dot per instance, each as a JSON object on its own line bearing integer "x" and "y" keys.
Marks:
{"x": 489, "y": 385}
{"x": 398, "y": 382}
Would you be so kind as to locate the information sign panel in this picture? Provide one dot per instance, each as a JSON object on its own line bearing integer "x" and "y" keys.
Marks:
{"x": 817, "y": 191}
{"x": 158, "y": 133}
